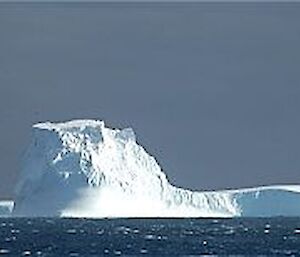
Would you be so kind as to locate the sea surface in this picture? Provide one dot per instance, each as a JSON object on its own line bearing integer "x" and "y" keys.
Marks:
{"x": 149, "y": 237}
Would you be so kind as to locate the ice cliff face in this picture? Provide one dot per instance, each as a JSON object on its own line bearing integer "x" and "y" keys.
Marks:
{"x": 83, "y": 169}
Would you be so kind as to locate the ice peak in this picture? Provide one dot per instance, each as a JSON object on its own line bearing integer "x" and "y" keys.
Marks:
{"x": 71, "y": 125}
{"x": 87, "y": 129}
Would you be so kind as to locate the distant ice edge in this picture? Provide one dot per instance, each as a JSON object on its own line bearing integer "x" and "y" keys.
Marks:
{"x": 81, "y": 168}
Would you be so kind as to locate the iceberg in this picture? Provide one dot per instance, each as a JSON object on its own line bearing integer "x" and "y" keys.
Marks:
{"x": 82, "y": 168}
{"x": 6, "y": 208}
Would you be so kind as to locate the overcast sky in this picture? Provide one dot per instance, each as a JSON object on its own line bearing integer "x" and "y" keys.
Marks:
{"x": 212, "y": 91}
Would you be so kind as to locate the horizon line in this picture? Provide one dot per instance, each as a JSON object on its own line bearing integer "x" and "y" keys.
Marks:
{"x": 150, "y": 1}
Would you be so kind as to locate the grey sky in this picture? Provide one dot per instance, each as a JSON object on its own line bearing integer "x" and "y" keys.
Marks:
{"x": 212, "y": 90}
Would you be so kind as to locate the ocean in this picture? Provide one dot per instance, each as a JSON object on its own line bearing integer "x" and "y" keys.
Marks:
{"x": 55, "y": 237}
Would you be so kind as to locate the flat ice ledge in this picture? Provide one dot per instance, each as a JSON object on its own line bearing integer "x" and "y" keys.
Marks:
{"x": 288, "y": 188}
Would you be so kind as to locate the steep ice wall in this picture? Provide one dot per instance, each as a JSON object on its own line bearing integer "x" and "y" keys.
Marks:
{"x": 83, "y": 169}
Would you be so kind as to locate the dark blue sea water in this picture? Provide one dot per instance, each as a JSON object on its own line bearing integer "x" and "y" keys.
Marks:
{"x": 149, "y": 237}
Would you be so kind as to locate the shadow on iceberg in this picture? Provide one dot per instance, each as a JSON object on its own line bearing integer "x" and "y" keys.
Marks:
{"x": 267, "y": 202}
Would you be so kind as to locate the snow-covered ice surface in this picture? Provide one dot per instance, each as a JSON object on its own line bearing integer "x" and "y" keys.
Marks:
{"x": 81, "y": 168}
{"x": 6, "y": 208}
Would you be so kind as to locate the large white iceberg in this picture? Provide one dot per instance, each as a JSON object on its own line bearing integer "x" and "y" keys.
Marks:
{"x": 81, "y": 168}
